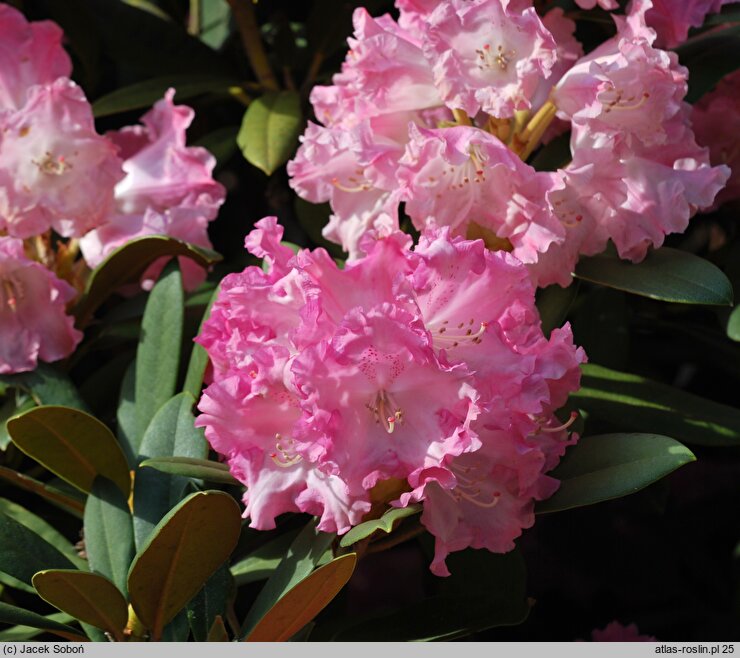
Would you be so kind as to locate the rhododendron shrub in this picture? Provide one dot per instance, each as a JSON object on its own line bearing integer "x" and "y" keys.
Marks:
{"x": 435, "y": 398}
{"x": 426, "y": 366}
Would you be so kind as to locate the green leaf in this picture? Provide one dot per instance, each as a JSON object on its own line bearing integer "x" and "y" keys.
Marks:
{"x": 158, "y": 354}
{"x": 299, "y": 605}
{"x": 632, "y": 402}
{"x": 72, "y": 444}
{"x": 200, "y": 469}
{"x": 553, "y": 303}
{"x": 270, "y": 129}
{"x": 600, "y": 468}
{"x": 145, "y": 94}
{"x": 126, "y": 265}
{"x": 86, "y": 596}
{"x": 302, "y": 557}
{"x": 198, "y": 357}
{"x": 185, "y": 548}
{"x": 485, "y": 590}
{"x": 126, "y": 414}
{"x": 47, "y": 385}
{"x": 53, "y": 495}
{"x": 215, "y": 20}
{"x": 733, "y": 324}
{"x": 210, "y": 603}
{"x": 10, "y": 614}
{"x": 43, "y": 530}
{"x": 385, "y": 523}
{"x": 171, "y": 432}
{"x": 23, "y": 553}
{"x": 261, "y": 562}
{"x": 109, "y": 533}
{"x": 24, "y": 633}
{"x": 221, "y": 144}
{"x": 554, "y": 155}
{"x": 706, "y": 57}
{"x": 666, "y": 274}
{"x": 218, "y": 632}
{"x": 12, "y": 407}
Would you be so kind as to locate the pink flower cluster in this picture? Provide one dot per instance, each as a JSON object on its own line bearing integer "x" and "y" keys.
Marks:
{"x": 58, "y": 174}
{"x": 423, "y": 366}
{"x": 438, "y": 112}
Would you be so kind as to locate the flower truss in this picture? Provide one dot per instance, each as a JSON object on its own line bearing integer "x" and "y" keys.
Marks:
{"x": 426, "y": 367}
{"x": 438, "y": 112}
{"x": 59, "y": 177}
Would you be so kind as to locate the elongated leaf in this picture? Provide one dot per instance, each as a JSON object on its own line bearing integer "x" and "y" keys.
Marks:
{"x": 666, "y": 274}
{"x": 384, "y": 523}
{"x": 202, "y": 469}
{"x": 302, "y": 557}
{"x": 51, "y": 494}
{"x": 10, "y": 614}
{"x": 303, "y": 602}
{"x": 218, "y": 632}
{"x": 86, "y": 596}
{"x": 706, "y": 56}
{"x": 198, "y": 358}
{"x": 210, "y": 603}
{"x": 733, "y": 324}
{"x": 146, "y": 93}
{"x": 632, "y": 402}
{"x": 171, "y": 432}
{"x": 485, "y": 590}
{"x": 23, "y": 553}
{"x": 47, "y": 385}
{"x": 261, "y": 562}
{"x": 185, "y": 548}
{"x": 72, "y": 444}
{"x": 109, "y": 533}
{"x": 554, "y": 303}
{"x": 127, "y": 263}
{"x": 24, "y": 633}
{"x": 270, "y": 129}
{"x": 610, "y": 466}
{"x": 126, "y": 415}
{"x": 42, "y": 529}
{"x": 158, "y": 354}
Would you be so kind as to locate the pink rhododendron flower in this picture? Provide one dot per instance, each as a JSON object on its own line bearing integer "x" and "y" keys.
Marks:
{"x": 604, "y": 4}
{"x": 33, "y": 321}
{"x": 55, "y": 170}
{"x": 616, "y": 632}
{"x": 671, "y": 19}
{"x": 455, "y": 176}
{"x": 327, "y": 381}
{"x": 30, "y": 54}
{"x": 168, "y": 189}
{"x": 716, "y": 121}
{"x": 487, "y": 56}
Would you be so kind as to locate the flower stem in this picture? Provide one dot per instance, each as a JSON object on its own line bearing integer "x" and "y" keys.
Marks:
{"x": 246, "y": 21}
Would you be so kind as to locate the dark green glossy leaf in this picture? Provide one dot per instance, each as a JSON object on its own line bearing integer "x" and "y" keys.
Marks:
{"x": 72, "y": 444}
{"x": 210, "y": 603}
{"x": 42, "y": 529}
{"x": 302, "y": 557}
{"x": 269, "y": 132}
{"x": 126, "y": 415}
{"x": 145, "y": 94}
{"x": 666, "y": 274}
{"x": 24, "y": 633}
{"x": 221, "y": 143}
{"x": 171, "y": 432}
{"x": 10, "y": 614}
{"x": 61, "y": 499}
{"x": 23, "y": 553}
{"x": 182, "y": 552}
{"x": 158, "y": 354}
{"x": 632, "y": 402}
{"x": 485, "y": 590}
{"x": 299, "y": 605}
{"x": 733, "y": 324}
{"x": 198, "y": 357}
{"x": 126, "y": 265}
{"x": 89, "y": 597}
{"x": 385, "y": 524}
{"x": 708, "y": 57}
{"x": 47, "y": 385}
{"x": 553, "y": 303}
{"x": 600, "y": 468}
{"x": 261, "y": 562}
{"x": 201, "y": 469}
{"x": 109, "y": 532}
